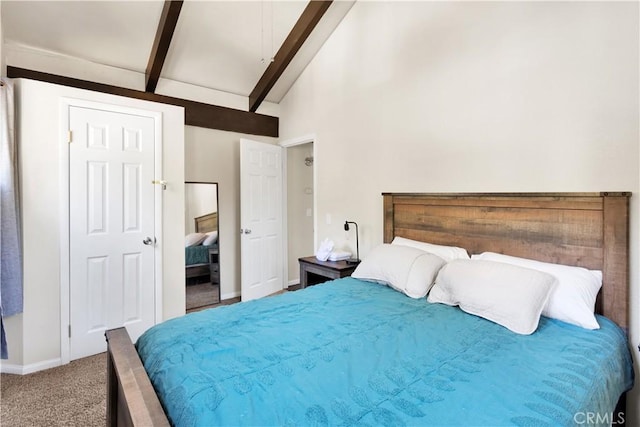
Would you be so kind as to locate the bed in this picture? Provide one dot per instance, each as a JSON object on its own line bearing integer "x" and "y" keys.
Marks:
{"x": 203, "y": 260}
{"x": 359, "y": 342}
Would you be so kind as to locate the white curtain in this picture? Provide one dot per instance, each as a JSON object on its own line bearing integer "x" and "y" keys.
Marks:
{"x": 11, "y": 256}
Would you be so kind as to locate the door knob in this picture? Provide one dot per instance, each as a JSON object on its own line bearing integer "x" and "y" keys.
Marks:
{"x": 148, "y": 241}
{"x": 247, "y": 231}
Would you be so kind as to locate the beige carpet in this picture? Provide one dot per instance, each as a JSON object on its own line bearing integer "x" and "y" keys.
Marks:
{"x": 69, "y": 396}
{"x": 202, "y": 295}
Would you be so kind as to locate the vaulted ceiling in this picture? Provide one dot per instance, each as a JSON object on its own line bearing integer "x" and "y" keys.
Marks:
{"x": 228, "y": 46}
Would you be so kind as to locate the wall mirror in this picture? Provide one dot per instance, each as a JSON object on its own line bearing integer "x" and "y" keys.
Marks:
{"x": 202, "y": 245}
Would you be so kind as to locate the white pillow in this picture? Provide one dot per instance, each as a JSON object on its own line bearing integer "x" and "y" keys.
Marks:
{"x": 408, "y": 270}
{"x": 573, "y": 300}
{"x": 508, "y": 295}
{"x": 211, "y": 238}
{"x": 448, "y": 253}
{"x": 194, "y": 239}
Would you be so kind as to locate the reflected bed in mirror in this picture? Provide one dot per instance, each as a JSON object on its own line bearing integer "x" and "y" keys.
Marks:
{"x": 202, "y": 253}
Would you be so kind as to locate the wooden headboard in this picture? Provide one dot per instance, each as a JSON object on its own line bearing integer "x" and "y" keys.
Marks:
{"x": 207, "y": 223}
{"x": 589, "y": 230}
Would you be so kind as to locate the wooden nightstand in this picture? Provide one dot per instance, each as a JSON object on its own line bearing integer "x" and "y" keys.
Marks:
{"x": 313, "y": 271}
{"x": 214, "y": 265}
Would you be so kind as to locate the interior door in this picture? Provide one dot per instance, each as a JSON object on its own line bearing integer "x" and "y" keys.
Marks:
{"x": 261, "y": 219}
{"x": 111, "y": 226}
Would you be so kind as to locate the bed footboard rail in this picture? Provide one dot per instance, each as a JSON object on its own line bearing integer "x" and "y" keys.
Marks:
{"x": 131, "y": 399}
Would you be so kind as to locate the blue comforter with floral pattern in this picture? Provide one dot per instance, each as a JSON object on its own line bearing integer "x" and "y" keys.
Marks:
{"x": 350, "y": 352}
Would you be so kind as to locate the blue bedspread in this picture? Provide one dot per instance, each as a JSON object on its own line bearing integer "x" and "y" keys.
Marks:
{"x": 197, "y": 254}
{"x": 350, "y": 352}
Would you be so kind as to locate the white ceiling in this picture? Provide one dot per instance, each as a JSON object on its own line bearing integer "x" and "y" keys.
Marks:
{"x": 217, "y": 44}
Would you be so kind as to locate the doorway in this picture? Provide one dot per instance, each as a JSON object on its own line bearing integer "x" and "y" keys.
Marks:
{"x": 300, "y": 204}
{"x": 300, "y": 207}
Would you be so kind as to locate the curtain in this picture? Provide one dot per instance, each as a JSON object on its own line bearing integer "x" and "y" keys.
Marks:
{"x": 10, "y": 245}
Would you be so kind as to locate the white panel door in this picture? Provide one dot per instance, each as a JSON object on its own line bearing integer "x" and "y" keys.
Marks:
{"x": 111, "y": 196}
{"x": 261, "y": 219}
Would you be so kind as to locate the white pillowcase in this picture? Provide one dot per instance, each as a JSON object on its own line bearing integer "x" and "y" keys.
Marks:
{"x": 211, "y": 238}
{"x": 194, "y": 239}
{"x": 408, "y": 270}
{"x": 573, "y": 300}
{"x": 508, "y": 295}
{"x": 448, "y": 253}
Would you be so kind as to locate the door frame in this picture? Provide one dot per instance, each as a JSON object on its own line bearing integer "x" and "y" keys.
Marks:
{"x": 305, "y": 139}
{"x": 64, "y": 210}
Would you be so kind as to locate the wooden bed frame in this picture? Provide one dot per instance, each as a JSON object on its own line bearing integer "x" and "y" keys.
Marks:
{"x": 585, "y": 229}
{"x": 205, "y": 224}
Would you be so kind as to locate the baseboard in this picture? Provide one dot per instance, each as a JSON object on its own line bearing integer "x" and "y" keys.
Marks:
{"x": 293, "y": 282}
{"x": 229, "y": 295}
{"x": 8, "y": 368}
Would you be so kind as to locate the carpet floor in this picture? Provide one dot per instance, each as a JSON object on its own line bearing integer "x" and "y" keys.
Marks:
{"x": 70, "y": 395}
{"x": 201, "y": 295}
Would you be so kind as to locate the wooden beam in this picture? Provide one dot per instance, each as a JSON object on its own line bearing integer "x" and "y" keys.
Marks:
{"x": 166, "y": 27}
{"x": 196, "y": 113}
{"x": 296, "y": 38}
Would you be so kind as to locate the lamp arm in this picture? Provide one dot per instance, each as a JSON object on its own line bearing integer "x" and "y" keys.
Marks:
{"x": 357, "y": 244}
{"x": 346, "y": 228}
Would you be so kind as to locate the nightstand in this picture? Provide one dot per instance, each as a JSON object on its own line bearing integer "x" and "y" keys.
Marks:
{"x": 314, "y": 271}
{"x": 214, "y": 265}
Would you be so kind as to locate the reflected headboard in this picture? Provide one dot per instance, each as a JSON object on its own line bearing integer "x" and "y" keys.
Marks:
{"x": 207, "y": 223}
{"x": 589, "y": 230}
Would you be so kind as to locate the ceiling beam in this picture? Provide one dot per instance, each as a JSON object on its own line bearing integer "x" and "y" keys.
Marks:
{"x": 166, "y": 27}
{"x": 296, "y": 38}
{"x": 195, "y": 113}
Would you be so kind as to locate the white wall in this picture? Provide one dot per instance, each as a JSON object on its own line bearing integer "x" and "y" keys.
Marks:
{"x": 2, "y": 50}
{"x": 34, "y": 336}
{"x": 473, "y": 97}
{"x": 214, "y": 156}
{"x": 200, "y": 199}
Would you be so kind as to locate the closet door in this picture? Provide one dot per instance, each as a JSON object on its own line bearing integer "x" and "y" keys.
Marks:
{"x": 111, "y": 225}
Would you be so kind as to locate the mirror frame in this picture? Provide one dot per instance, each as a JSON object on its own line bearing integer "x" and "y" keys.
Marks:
{"x": 218, "y": 225}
